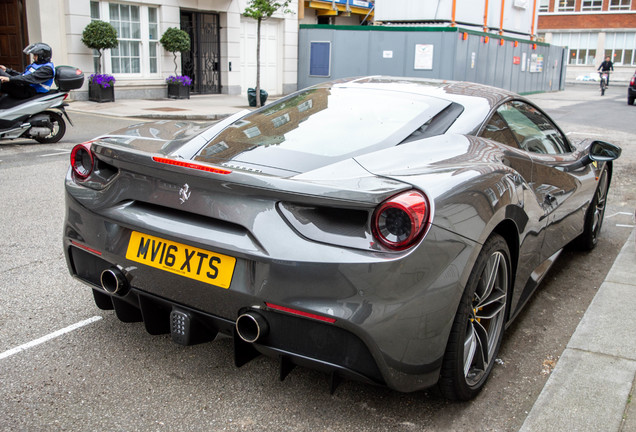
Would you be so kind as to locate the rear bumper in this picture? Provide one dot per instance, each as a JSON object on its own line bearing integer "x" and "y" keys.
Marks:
{"x": 392, "y": 318}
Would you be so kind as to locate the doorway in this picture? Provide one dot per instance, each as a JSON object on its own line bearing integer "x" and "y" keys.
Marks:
{"x": 202, "y": 62}
{"x": 14, "y": 34}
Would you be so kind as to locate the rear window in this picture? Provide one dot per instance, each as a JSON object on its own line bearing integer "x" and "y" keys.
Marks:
{"x": 327, "y": 122}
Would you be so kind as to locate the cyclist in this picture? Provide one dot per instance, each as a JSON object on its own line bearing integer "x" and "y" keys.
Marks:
{"x": 605, "y": 68}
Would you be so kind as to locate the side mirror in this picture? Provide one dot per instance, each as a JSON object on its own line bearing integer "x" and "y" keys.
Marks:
{"x": 602, "y": 151}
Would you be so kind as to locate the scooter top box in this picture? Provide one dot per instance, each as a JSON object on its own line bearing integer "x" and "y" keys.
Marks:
{"x": 68, "y": 78}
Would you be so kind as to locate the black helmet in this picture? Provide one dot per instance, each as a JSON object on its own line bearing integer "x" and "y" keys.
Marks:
{"x": 43, "y": 51}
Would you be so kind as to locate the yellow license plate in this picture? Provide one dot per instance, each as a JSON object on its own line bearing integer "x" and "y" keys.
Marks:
{"x": 184, "y": 260}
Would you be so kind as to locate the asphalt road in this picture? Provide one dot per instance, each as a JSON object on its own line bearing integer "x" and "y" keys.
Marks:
{"x": 102, "y": 374}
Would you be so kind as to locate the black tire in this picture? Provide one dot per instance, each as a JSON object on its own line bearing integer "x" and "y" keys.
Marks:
{"x": 479, "y": 323}
{"x": 59, "y": 129}
{"x": 602, "y": 90}
{"x": 630, "y": 100}
{"x": 594, "y": 215}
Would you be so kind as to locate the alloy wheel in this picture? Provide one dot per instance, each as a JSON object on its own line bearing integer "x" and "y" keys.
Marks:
{"x": 486, "y": 319}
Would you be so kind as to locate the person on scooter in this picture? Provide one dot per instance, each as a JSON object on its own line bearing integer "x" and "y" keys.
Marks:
{"x": 37, "y": 78}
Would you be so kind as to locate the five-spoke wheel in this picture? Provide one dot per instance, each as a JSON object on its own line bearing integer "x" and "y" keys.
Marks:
{"x": 479, "y": 323}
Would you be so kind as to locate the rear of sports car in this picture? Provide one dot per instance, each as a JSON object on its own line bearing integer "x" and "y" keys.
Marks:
{"x": 266, "y": 229}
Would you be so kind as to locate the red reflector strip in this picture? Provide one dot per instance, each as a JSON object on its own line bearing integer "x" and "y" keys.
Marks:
{"x": 301, "y": 313}
{"x": 190, "y": 165}
{"x": 86, "y": 248}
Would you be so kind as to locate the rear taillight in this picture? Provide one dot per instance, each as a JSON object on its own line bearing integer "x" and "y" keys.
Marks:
{"x": 633, "y": 81}
{"x": 82, "y": 160}
{"x": 400, "y": 222}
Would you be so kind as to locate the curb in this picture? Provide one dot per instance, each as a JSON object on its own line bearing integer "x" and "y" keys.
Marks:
{"x": 593, "y": 382}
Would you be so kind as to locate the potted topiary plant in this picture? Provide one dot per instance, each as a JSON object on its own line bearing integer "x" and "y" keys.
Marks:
{"x": 176, "y": 40}
{"x": 261, "y": 10}
{"x": 100, "y": 35}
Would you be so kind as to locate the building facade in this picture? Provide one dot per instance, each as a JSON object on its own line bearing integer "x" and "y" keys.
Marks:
{"x": 222, "y": 58}
{"x": 592, "y": 30}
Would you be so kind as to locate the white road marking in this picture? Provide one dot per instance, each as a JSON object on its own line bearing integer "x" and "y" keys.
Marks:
{"x": 619, "y": 213}
{"x": 55, "y": 154}
{"x": 583, "y": 133}
{"x": 625, "y": 226}
{"x": 48, "y": 337}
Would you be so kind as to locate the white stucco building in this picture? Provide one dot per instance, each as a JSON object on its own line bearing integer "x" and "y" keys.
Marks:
{"x": 222, "y": 59}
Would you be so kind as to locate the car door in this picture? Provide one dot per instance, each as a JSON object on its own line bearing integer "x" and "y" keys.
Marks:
{"x": 532, "y": 232}
{"x": 558, "y": 181}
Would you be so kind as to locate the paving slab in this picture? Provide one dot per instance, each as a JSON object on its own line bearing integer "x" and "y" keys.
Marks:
{"x": 586, "y": 392}
{"x": 609, "y": 325}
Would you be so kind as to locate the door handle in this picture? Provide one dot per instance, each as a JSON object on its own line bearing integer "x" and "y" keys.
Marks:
{"x": 550, "y": 199}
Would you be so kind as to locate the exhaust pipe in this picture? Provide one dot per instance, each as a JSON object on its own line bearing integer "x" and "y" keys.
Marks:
{"x": 114, "y": 281}
{"x": 251, "y": 326}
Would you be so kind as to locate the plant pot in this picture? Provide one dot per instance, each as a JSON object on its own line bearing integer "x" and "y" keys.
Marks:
{"x": 178, "y": 91}
{"x": 97, "y": 93}
{"x": 251, "y": 97}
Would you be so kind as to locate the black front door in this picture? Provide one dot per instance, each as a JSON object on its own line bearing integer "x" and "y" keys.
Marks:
{"x": 202, "y": 62}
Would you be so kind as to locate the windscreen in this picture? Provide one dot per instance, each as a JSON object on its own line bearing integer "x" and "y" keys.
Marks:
{"x": 322, "y": 124}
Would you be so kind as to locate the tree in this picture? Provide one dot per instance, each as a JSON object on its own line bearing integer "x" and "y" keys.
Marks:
{"x": 100, "y": 35}
{"x": 175, "y": 40}
{"x": 261, "y": 10}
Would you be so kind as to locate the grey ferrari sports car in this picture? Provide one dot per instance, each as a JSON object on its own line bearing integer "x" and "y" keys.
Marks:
{"x": 381, "y": 229}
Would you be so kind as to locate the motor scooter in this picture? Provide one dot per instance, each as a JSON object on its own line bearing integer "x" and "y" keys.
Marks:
{"x": 40, "y": 117}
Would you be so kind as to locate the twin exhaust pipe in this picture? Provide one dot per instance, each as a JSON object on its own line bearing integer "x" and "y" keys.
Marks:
{"x": 250, "y": 326}
{"x": 114, "y": 281}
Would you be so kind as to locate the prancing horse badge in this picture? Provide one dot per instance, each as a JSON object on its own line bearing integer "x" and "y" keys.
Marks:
{"x": 184, "y": 193}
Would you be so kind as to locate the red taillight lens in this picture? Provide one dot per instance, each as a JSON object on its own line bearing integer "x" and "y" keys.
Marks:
{"x": 301, "y": 313}
{"x": 400, "y": 221}
{"x": 633, "y": 81}
{"x": 190, "y": 165}
{"x": 82, "y": 160}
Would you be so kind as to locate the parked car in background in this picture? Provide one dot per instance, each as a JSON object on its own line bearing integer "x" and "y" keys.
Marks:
{"x": 382, "y": 229}
{"x": 631, "y": 90}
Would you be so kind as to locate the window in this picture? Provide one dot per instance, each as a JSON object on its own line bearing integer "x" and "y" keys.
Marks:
{"x": 566, "y": 5}
{"x": 621, "y": 48}
{"x": 498, "y": 130}
{"x": 126, "y": 57}
{"x": 592, "y": 5}
{"x": 138, "y": 33}
{"x": 320, "y": 59}
{"x": 95, "y": 17}
{"x": 620, "y": 5}
{"x": 532, "y": 130}
{"x": 582, "y": 46}
{"x": 153, "y": 37}
{"x": 544, "y": 5}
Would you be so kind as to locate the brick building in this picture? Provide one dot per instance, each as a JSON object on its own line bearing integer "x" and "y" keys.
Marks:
{"x": 592, "y": 30}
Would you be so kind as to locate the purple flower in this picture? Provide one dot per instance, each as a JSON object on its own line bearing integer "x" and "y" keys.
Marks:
{"x": 102, "y": 80}
{"x": 184, "y": 80}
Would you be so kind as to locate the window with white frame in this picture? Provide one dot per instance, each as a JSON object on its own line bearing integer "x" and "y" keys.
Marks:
{"x": 544, "y": 5}
{"x": 592, "y": 5}
{"x": 138, "y": 33}
{"x": 581, "y": 46}
{"x": 621, "y": 48}
{"x": 566, "y": 5}
{"x": 95, "y": 17}
{"x": 620, "y": 5}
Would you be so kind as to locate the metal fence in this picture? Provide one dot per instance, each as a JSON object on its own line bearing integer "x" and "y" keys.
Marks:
{"x": 523, "y": 66}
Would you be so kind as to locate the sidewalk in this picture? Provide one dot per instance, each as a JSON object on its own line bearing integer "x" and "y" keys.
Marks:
{"x": 199, "y": 107}
{"x": 592, "y": 386}
{"x": 593, "y": 383}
